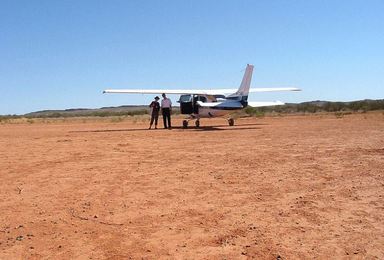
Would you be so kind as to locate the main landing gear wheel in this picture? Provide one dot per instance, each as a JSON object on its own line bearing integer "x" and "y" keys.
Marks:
{"x": 185, "y": 123}
{"x": 231, "y": 122}
{"x": 197, "y": 123}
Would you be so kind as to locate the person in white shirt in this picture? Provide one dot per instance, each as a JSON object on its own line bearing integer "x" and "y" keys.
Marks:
{"x": 166, "y": 108}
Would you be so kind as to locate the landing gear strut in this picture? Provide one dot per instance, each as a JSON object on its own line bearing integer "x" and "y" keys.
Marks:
{"x": 231, "y": 122}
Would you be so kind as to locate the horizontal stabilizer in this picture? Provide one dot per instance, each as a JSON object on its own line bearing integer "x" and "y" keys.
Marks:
{"x": 208, "y": 104}
{"x": 224, "y": 104}
{"x": 265, "y": 104}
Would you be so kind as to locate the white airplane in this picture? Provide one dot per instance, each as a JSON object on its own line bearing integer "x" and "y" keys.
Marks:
{"x": 212, "y": 103}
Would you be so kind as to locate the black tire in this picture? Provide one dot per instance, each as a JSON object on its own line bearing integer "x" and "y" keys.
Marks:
{"x": 231, "y": 122}
{"x": 197, "y": 123}
{"x": 185, "y": 123}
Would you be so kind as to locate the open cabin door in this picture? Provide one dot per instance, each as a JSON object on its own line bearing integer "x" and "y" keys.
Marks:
{"x": 186, "y": 104}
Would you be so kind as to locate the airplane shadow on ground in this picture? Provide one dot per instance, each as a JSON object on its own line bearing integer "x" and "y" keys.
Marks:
{"x": 191, "y": 128}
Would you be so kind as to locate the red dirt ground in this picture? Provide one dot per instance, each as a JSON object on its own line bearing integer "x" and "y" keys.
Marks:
{"x": 278, "y": 187}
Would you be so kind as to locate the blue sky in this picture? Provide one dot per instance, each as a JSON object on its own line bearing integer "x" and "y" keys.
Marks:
{"x": 62, "y": 54}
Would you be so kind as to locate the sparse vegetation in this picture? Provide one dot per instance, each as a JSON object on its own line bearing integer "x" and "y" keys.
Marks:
{"x": 93, "y": 113}
{"x": 339, "y": 108}
{"x": 117, "y": 119}
{"x": 7, "y": 118}
{"x": 257, "y": 112}
{"x": 138, "y": 113}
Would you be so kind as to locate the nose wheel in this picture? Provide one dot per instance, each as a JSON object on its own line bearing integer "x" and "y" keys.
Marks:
{"x": 185, "y": 123}
{"x": 231, "y": 122}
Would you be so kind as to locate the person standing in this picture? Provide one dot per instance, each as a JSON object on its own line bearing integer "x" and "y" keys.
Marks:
{"x": 166, "y": 108}
{"x": 155, "y": 108}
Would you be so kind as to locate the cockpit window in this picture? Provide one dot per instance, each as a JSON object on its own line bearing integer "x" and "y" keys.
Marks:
{"x": 202, "y": 99}
{"x": 185, "y": 98}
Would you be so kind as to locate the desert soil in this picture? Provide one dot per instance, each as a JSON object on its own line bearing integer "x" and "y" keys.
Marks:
{"x": 294, "y": 187}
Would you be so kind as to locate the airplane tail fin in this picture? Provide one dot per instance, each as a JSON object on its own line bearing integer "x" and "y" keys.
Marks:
{"x": 245, "y": 83}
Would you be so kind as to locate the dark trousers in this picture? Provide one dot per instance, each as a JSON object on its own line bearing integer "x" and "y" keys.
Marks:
{"x": 166, "y": 117}
{"x": 154, "y": 118}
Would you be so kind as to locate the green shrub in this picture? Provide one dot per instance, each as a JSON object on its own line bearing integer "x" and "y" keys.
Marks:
{"x": 257, "y": 112}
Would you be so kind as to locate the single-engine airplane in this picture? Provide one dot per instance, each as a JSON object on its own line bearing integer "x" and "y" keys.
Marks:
{"x": 212, "y": 103}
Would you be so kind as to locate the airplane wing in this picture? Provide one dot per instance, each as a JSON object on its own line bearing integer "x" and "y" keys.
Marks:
{"x": 254, "y": 90}
{"x": 265, "y": 104}
{"x": 166, "y": 91}
{"x": 274, "y": 89}
{"x": 194, "y": 91}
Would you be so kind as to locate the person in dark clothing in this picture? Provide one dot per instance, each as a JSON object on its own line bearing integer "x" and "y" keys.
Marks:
{"x": 166, "y": 108}
{"x": 155, "y": 108}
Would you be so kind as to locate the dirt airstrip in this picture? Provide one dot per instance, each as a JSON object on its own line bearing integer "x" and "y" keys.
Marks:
{"x": 294, "y": 187}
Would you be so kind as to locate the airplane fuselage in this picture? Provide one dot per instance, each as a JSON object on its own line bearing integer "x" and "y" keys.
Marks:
{"x": 205, "y": 106}
{"x": 205, "y": 112}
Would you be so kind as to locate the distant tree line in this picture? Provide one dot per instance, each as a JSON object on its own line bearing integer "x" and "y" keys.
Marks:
{"x": 100, "y": 113}
{"x": 320, "y": 106}
{"x": 66, "y": 114}
{"x": 306, "y": 107}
